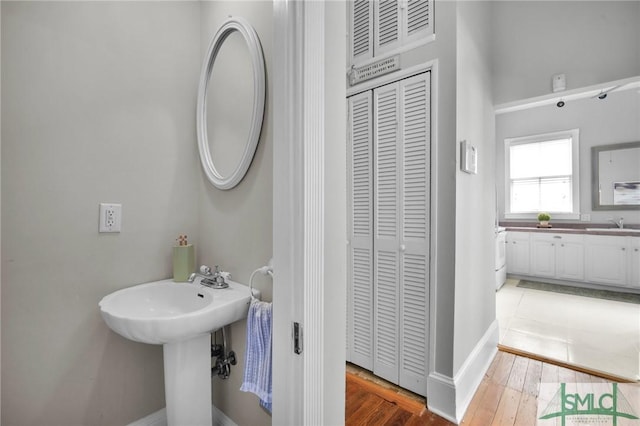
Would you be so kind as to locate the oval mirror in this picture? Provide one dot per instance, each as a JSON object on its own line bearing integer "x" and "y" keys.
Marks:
{"x": 229, "y": 112}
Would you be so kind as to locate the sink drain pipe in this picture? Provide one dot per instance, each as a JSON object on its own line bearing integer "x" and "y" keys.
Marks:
{"x": 223, "y": 359}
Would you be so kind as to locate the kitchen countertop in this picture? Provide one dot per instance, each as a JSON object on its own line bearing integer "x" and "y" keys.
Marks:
{"x": 575, "y": 230}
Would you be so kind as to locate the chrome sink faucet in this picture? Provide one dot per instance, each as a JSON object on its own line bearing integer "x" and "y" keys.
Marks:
{"x": 217, "y": 279}
{"x": 619, "y": 223}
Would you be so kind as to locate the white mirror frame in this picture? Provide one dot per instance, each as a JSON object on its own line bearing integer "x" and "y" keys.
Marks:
{"x": 255, "y": 50}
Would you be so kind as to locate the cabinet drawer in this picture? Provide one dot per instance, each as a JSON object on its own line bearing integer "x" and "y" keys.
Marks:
{"x": 559, "y": 238}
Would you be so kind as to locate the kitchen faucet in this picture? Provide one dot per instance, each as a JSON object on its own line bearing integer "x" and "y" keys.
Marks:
{"x": 619, "y": 223}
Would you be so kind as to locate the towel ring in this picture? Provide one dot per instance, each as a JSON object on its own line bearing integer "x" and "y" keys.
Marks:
{"x": 265, "y": 270}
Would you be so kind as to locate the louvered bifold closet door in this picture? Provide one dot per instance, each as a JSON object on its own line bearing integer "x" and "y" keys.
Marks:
{"x": 360, "y": 163}
{"x": 361, "y": 36}
{"x": 401, "y": 232}
{"x": 386, "y": 231}
{"x": 414, "y": 241}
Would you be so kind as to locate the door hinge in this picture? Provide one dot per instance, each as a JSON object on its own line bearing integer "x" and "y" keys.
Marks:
{"x": 297, "y": 338}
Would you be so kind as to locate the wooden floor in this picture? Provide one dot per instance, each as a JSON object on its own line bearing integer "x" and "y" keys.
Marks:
{"x": 370, "y": 403}
{"x": 507, "y": 396}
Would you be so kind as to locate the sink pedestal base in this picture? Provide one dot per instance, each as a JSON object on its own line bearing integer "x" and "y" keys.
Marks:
{"x": 187, "y": 381}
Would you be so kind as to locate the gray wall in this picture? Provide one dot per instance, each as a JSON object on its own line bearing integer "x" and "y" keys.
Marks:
{"x": 97, "y": 106}
{"x": 235, "y": 227}
{"x": 475, "y": 202}
{"x": 601, "y": 122}
{"x": 589, "y": 41}
{"x": 443, "y": 175}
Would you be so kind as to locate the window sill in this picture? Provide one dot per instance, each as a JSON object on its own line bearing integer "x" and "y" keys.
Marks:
{"x": 534, "y": 216}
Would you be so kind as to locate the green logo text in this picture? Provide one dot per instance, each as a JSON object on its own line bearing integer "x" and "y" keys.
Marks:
{"x": 565, "y": 404}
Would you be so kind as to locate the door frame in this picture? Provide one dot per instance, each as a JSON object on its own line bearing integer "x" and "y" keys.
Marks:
{"x": 308, "y": 236}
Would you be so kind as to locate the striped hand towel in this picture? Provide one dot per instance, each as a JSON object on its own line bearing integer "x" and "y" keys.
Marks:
{"x": 257, "y": 362}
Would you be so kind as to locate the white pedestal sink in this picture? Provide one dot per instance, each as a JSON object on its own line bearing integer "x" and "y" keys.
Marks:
{"x": 179, "y": 316}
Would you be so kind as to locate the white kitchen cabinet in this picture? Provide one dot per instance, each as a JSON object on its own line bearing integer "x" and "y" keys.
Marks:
{"x": 606, "y": 259}
{"x": 570, "y": 257}
{"x": 518, "y": 253}
{"x": 598, "y": 259}
{"x": 559, "y": 256}
{"x": 543, "y": 255}
{"x": 634, "y": 262}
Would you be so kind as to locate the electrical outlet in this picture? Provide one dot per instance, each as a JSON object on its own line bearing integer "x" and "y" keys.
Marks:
{"x": 110, "y": 217}
{"x": 585, "y": 217}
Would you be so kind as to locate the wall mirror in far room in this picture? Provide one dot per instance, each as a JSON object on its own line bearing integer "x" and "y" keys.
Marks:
{"x": 615, "y": 176}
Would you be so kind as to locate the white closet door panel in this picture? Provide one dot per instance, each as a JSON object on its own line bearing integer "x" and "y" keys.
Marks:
{"x": 361, "y": 35}
{"x": 387, "y": 21}
{"x": 386, "y": 108}
{"x": 417, "y": 21}
{"x": 414, "y": 273}
{"x": 360, "y": 225}
{"x": 386, "y": 315}
{"x": 361, "y": 167}
{"x": 414, "y": 337}
{"x": 361, "y": 343}
{"x": 415, "y": 158}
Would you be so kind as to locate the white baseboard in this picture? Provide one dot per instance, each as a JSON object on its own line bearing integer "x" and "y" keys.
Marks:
{"x": 469, "y": 376}
{"x": 441, "y": 396}
{"x": 450, "y": 397}
{"x": 159, "y": 418}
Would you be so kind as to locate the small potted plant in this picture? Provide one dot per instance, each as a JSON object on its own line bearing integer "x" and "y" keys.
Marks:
{"x": 543, "y": 219}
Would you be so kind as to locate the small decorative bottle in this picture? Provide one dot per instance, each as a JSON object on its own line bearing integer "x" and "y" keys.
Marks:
{"x": 184, "y": 260}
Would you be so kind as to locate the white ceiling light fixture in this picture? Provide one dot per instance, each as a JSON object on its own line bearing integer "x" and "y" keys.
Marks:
{"x": 604, "y": 92}
{"x": 593, "y": 91}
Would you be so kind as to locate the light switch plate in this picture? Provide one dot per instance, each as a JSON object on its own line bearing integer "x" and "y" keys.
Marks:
{"x": 468, "y": 158}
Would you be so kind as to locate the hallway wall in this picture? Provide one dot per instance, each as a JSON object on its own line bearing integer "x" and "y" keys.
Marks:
{"x": 475, "y": 194}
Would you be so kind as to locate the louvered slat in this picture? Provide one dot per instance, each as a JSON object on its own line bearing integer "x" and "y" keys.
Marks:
{"x": 414, "y": 298}
{"x": 362, "y": 300}
{"x": 386, "y": 167}
{"x": 361, "y": 167}
{"x": 388, "y": 30}
{"x": 416, "y": 165}
{"x": 386, "y": 332}
{"x": 418, "y": 15}
{"x": 362, "y": 28}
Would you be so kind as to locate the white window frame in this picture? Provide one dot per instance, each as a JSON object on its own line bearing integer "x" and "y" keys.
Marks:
{"x": 574, "y": 135}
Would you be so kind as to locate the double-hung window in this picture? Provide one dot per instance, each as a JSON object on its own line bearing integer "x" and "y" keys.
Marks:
{"x": 542, "y": 175}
